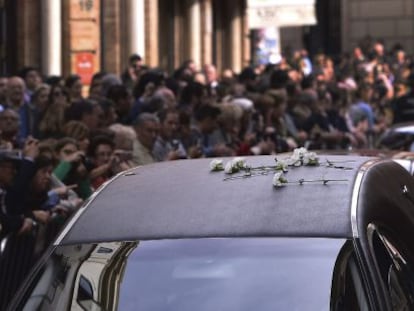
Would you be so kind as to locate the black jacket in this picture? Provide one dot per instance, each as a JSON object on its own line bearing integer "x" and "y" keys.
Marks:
{"x": 13, "y": 209}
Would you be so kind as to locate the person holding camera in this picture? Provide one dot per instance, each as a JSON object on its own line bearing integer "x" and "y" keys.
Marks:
{"x": 71, "y": 169}
{"x": 105, "y": 160}
{"x": 167, "y": 146}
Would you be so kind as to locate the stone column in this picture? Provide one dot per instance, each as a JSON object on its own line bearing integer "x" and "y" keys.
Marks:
{"x": 194, "y": 31}
{"x": 207, "y": 30}
{"x": 111, "y": 36}
{"x": 26, "y": 32}
{"x": 51, "y": 38}
{"x": 236, "y": 34}
{"x": 179, "y": 47}
{"x": 135, "y": 27}
{"x": 246, "y": 40}
{"x": 220, "y": 36}
{"x": 345, "y": 25}
{"x": 151, "y": 26}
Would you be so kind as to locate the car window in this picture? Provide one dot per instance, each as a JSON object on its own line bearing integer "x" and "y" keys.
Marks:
{"x": 396, "y": 271}
{"x": 395, "y": 140}
{"x": 189, "y": 274}
{"x": 348, "y": 288}
{"x": 85, "y": 297}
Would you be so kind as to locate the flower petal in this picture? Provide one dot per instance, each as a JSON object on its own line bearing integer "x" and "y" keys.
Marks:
{"x": 278, "y": 179}
{"x": 228, "y": 169}
{"x": 216, "y": 165}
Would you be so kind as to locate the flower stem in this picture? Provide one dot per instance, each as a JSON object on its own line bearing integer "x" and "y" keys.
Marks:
{"x": 332, "y": 164}
{"x": 246, "y": 175}
{"x": 324, "y": 181}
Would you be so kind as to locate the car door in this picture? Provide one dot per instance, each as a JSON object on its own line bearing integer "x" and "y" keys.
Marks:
{"x": 394, "y": 263}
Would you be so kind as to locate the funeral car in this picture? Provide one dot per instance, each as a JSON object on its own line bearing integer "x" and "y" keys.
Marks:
{"x": 400, "y": 136}
{"x": 299, "y": 231}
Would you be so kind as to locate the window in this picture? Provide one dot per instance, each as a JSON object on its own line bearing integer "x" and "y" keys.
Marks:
{"x": 348, "y": 288}
{"x": 188, "y": 274}
{"x": 395, "y": 270}
{"x": 85, "y": 295}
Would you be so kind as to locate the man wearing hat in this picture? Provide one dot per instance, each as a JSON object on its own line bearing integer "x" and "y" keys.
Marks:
{"x": 15, "y": 176}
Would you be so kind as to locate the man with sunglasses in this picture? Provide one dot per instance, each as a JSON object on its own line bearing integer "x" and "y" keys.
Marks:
{"x": 131, "y": 74}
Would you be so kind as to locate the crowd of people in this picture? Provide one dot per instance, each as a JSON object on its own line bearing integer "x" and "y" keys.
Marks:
{"x": 59, "y": 142}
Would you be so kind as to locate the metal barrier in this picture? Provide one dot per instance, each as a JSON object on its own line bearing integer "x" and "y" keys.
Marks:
{"x": 18, "y": 254}
{"x": 16, "y": 259}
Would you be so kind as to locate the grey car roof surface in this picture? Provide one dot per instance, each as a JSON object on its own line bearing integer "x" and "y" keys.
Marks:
{"x": 183, "y": 199}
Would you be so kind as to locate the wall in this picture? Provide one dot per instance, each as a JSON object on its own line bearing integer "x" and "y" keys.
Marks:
{"x": 291, "y": 37}
{"x": 390, "y": 20}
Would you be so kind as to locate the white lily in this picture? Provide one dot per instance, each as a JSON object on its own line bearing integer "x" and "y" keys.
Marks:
{"x": 216, "y": 165}
{"x": 282, "y": 165}
{"x": 310, "y": 158}
{"x": 294, "y": 160}
{"x": 279, "y": 180}
{"x": 299, "y": 152}
{"x": 239, "y": 162}
{"x": 229, "y": 168}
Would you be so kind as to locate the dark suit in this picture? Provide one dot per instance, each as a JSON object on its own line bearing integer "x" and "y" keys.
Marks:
{"x": 403, "y": 108}
{"x": 12, "y": 199}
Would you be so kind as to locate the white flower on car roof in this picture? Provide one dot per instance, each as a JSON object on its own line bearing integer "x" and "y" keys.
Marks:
{"x": 299, "y": 153}
{"x": 294, "y": 160}
{"x": 235, "y": 165}
{"x": 216, "y": 165}
{"x": 301, "y": 156}
{"x": 282, "y": 165}
{"x": 310, "y": 158}
{"x": 229, "y": 168}
{"x": 239, "y": 162}
{"x": 279, "y": 180}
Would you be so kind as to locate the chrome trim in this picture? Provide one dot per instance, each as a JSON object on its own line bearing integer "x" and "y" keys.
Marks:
{"x": 407, "y": 164}
{"x": 355, "y": 194}
{"x": 89, "y": 201}
{"x": 405, "y": 190}
{"x": 3, "y": 244}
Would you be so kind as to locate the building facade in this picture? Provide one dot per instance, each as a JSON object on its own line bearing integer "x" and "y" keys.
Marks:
{"x": 85, "y": 36}
{"x": 389, "y": 20}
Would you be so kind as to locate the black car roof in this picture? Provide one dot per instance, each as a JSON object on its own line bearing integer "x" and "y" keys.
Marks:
{"x": 183, "y": 199}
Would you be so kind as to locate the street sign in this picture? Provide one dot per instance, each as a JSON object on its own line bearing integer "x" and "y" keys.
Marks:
{"x": 84, "y": 35}
{"x": 280, "y": 13}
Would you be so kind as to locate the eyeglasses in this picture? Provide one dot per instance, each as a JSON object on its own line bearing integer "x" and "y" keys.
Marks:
{"x": 57, "y": 93}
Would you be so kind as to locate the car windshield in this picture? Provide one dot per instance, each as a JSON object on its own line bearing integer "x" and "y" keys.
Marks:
{"x": 190, "y": 274}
